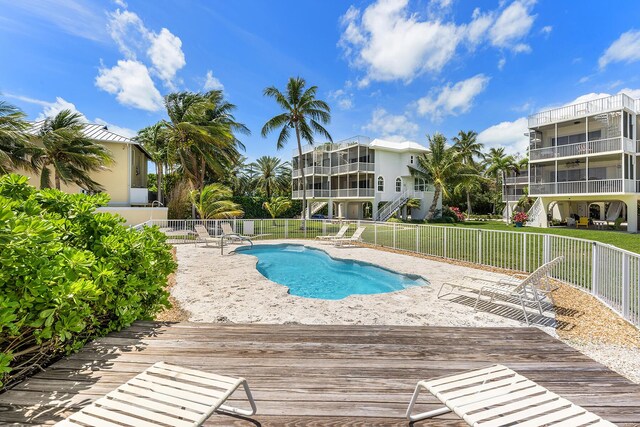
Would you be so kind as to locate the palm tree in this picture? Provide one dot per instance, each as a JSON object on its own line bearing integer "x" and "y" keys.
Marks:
{"x": 277, "y": 206}
{"x": 439, "y": 166}
{"x": 497, "y": 164}
{"x": 468, "y": 149}
{"x": 303, "y": 113}
{"x": 213, "y": 202}
{"x": 201, "y": 135}
{"x": 72, "y": 155}
{"x": 14, "y": 142}
{"x": 270, "y": 175}
{"x": 154, "y": 139}
{"x": 469, "y": 181}
{"x": 240, "y": 177}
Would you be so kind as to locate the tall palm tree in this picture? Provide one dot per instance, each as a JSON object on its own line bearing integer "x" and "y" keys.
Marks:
{"x": 72, "y": 155}
{"x": 201, "y": 134}
{"x": 154, "y": 139}
{"x": 440, "y": 166}
{"x": 14, "y": 142}
{"x": 240, "y": 178}
{"x": 277, "y": 206}
{"x": 214, "y": 202}
{"x": 270, "y": 175}
{"x": 303, "y": 113}
{"x": 468, "y": 149}
{"x": 497, "y": 164}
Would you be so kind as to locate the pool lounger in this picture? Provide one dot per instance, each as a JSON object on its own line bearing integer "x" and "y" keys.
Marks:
{"x": 497, "y": 396}
{"x": 166, "y": 394}
{"x": 355, "y": 238}
{"x": 339, "y": 235}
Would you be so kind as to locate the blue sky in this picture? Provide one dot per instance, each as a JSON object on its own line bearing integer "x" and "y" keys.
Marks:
{"x": 396, "y": 69}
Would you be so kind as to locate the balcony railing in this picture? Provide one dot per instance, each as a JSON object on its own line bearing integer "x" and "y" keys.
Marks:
{"x": 328, "y": 146}
{"x": 583, "y": 148}
{"x": 335, "y": 170}
{"x": 600, "y": 186}
{"x": 511, "y": 197}
{"x": 344, "y": 192}
{"x": 513, "y": 180}
{"x": 615, "y": 102}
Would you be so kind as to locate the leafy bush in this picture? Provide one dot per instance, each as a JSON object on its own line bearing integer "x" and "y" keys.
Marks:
{"x": 394, "y": 219}
{"x": 253, "y": 207}
{"x": 70, "y": 274}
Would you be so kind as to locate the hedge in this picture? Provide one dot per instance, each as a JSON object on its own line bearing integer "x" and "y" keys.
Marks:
{"x": 70, "y": 274}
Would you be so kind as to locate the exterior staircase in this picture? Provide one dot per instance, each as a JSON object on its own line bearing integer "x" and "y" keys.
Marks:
{"x": 537, "y": 215}
{"x": 392, "y": 207}
{"x": 314, "y": 207}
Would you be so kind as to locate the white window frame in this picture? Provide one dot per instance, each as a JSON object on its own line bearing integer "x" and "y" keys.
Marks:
{"x": 378, "y": 180}
{"x": 411, "y": 159}
{"x": 398, "y": 187}
{"x": 419, "y": 182}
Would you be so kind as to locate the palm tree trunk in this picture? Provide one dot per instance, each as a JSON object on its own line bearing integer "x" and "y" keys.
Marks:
{"x": 159, "y": 181}
{"x": 468, "y": 204}
{"x": 303, "y": 179}
{"x": 434, "y": 203}
{"x": 56, "y": 177}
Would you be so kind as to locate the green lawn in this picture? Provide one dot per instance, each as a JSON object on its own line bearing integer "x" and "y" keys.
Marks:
{"x": 621, "y": 239}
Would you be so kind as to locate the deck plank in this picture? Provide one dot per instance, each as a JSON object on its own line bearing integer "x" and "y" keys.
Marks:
{"x": 320, "y": 375}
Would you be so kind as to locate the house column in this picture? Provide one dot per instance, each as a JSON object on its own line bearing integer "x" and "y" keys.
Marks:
{"x": 632, "y": 214}
{"x": 330, "y": 209}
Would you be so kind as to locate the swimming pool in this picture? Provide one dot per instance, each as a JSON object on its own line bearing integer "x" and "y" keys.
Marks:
{"x": 312, "y": 273}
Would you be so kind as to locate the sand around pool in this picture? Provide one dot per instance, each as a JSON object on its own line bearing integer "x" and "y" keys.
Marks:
{"x": 228, "y": 288}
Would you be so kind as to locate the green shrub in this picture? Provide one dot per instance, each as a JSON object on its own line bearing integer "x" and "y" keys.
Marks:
{"x": 394, "y": 219}
{"x": 70, "y": 274}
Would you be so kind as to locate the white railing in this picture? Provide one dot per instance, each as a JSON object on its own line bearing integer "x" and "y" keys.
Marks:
{"x": 310, "y": 170}
{"x": 513, "y": 180}
{"x": 582, "y": 148}
{"x": 328, "y": 146}
{"x": 392, "y": 206}
{"x": 583, "y": 109}
{"x": 343, "y": 192}
{"x": 353, "y": 167}
{"x": 583, "y": 187}
{"x": 609, "y": 273}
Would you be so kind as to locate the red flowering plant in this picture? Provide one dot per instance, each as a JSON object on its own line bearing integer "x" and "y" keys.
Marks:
{"x": 520, "y": 217}
{"x": 457, "y": 212}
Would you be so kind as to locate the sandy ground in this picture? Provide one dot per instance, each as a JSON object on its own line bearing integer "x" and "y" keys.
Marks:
{"x": 227, "y": 288}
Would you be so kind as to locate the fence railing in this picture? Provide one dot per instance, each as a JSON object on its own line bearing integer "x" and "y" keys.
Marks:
{"x": 609, "y": 273}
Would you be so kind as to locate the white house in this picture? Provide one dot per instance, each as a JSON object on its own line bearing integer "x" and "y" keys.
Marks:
{"x": 356, "y": 176}
{"x": 583, "y": 161}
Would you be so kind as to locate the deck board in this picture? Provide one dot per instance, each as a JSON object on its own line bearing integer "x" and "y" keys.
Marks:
{"x": 321, "y": 375}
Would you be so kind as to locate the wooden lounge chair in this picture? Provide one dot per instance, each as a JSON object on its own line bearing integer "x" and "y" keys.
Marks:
{"x": 582, "y": 222}
{"x": 498, "y": 396}
{"x": 163, "y": 395}
{"x": 530, "y": 292}
{"x": 355, "y": 238}
{"x": 204, "y": 236}
{"x": 339, "y": 235}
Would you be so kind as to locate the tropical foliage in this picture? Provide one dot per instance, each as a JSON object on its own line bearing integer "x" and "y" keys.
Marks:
{"x": 277, "y": 206}
{"x": 14, "y": 142}
{"x": 69, "y": 274}
{"x": 213, "y": 202}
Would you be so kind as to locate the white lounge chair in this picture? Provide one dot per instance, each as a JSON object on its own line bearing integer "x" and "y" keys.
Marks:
{"x": 204, "y": 236}
{"x": 530, "y": 292}
{"x": 498, "y": 396}
{"x": 228, "y": 233}
{"x": 339, "y": 235}
{"x": 356, "y": 237}
{"x": 163, "y": 395}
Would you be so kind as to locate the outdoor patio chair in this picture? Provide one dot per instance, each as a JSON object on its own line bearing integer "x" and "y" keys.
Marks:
{"x": 498, "y": 396}
{"x": 204, "y": 236}
{"x": 582, "y": 222}
{"x": 529, "y": 292}
{"x": 339, "y": 235}
{"x": 164, "y": 395}
{"x": 355, "y": 238}
{"x": 228, "y": 233}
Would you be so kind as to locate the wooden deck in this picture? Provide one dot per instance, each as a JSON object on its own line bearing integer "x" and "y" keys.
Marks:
{"x": 321, "y": 375}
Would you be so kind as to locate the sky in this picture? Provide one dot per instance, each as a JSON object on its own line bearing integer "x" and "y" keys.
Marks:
{"x": 392, "y": 69}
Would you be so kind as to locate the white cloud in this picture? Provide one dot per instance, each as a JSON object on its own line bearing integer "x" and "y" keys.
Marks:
{"x": 212, "y": 83}
{"x": 513, "y": 24}
{"x": 121, "y": 3}
{"x": 166, "y": 55}
{"x": 128, "y": 31}
{"x": 130, "y": 81}
{"x": 453, "y": 99}
{"x": 129, "y": 133}
{"x": 634, "y": 93}
{"x": 546, "y": 30}
{"x": 391, "y": 127}
{"x": 391, "y": 44}
{"x": 509, "y": 135}
{"x": 501, "y": 63}
{"x": 53, "y": 108}
{"x": 343, "y": 98}
{"x": 625, "y": 49}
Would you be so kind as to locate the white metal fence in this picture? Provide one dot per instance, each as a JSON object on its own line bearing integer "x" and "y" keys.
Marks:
{"x": 609, "y": 273}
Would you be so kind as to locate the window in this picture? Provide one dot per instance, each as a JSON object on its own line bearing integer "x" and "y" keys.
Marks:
{"x": 398, "y": 185}
{"x": 380, "y": 183}
{"x": 420, "y": 184}
{"x": 411, "y": 160}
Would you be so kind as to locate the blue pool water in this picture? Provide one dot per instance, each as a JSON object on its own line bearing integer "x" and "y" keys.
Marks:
{"x": 312, "y": 273}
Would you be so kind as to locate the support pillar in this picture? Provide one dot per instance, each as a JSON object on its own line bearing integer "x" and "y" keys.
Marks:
{"x": 632, "y": 215}
{"x": 330, "y": 209}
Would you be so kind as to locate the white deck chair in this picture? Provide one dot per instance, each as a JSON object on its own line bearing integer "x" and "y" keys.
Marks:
{"x": 530, "y": 292}
{"x": 228, "y": 233}
{"x": 163, "y": 395}
{"x": 355, "y": 238}
{"x": 339, "y": 235}
{"x": 498, "y": 396}
{"x": 204, "y": 236}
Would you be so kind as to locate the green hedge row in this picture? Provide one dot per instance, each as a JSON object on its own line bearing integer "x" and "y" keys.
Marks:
{"x": 69, "y": 274}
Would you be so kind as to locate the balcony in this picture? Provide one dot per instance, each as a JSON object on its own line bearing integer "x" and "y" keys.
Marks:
{"x": 511, "y": 197}
{"x": 342, "y": 193}
{"x": 329, "y": 146}
{"x": 516, "y": 180}
{"x": 336, "y": 170}
{"x": 583, "y": 148}
{"x": 583, "y": 109}
{"x": 601, "y": 186}
{"x": 311, "y": 170}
